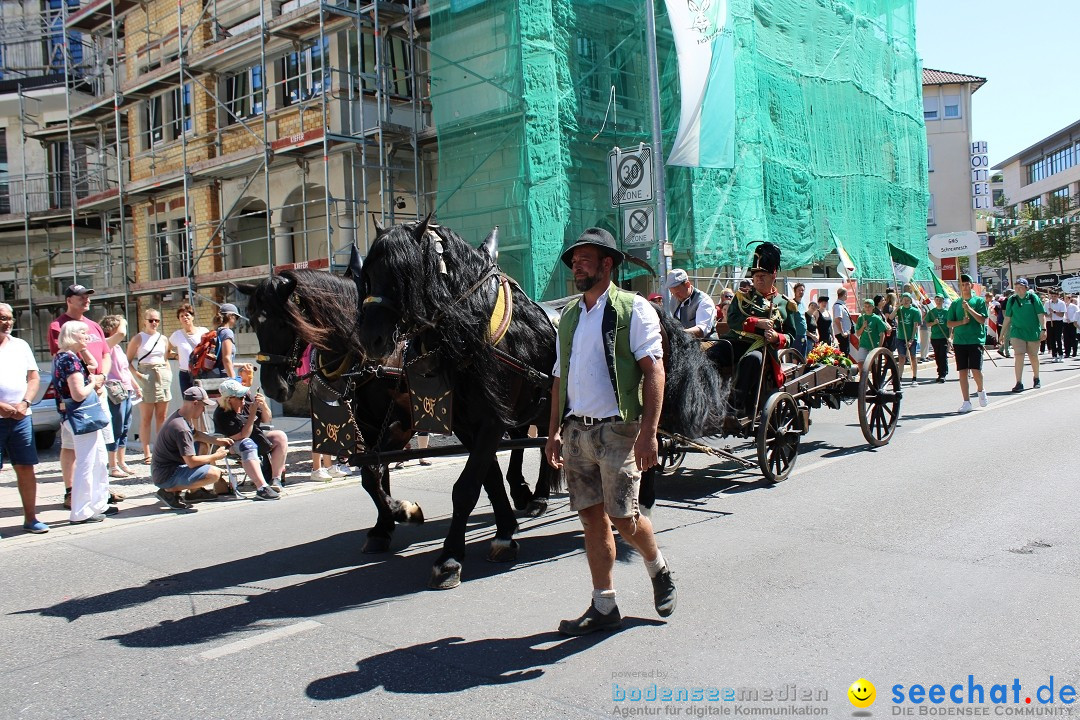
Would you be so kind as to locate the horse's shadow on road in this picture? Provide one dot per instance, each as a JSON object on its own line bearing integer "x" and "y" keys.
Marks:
{"x": 452, "y": 665}
{"x": 338, "y": 584}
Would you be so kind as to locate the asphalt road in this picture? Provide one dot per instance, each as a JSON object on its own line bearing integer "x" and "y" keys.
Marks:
{"x": 951, "y": 552}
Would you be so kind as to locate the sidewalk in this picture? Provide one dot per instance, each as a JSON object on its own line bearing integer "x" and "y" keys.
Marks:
{"x": 141, "y": 505}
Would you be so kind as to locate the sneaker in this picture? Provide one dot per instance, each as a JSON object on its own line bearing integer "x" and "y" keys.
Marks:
{"x": 172, "y": 500}
{"x": 266, "y": 493}
{"x": 111, "y": 510}
{"x": 1018, "y": 387}
{"x": 1036, "y": 383}
{"x": 321, "y": 475}
{"x": 277, "y": 483}
{"x": 941, "y": 380}
{"x": 335, "y": 471}
{"x": 345, "y": 470}
{"x": 966, "y": 407}
{"x": 591, "y": 621}
{"x": 664, "y": 594}
{"x": 37, "y": 527}
{"x": 982, "y": 399}
{"x": 914, "y": 382}
{"x": 398, "y": 466}
{"x": 67, "y": 499}
{"x": 92, "y": 519}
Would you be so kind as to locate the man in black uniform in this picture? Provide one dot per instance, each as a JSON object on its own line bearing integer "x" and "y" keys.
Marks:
{"x": 758, "y": 318}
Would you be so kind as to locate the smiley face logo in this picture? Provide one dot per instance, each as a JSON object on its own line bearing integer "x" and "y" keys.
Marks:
{"x": 862, "y": 693}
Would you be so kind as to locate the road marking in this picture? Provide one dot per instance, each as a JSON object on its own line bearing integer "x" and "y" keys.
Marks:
{"x": 260, "y": 639}
{"x": 1030, "y": 395}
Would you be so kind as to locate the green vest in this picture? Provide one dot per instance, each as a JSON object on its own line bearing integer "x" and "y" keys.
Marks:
{"x": 623, "y": 369}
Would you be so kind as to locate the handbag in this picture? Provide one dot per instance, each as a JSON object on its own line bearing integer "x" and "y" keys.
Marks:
{"x": 88, "y": 416}
{"x": 116, "y": 391}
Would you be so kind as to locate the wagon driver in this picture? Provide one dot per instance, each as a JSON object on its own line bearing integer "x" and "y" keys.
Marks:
{"x": 756, "y": 318}
{"x": 609, "y": 386}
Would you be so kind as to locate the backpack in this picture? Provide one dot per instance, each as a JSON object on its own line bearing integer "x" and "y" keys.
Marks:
{"x": 204, "y": 356}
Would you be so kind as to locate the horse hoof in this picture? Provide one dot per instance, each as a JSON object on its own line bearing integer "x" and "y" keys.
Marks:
{"x": 503, "y": 551}
{"x": 521, "y": 497}
{"x": 446, "y": 576}
{"x": 536, "y": 508}
{"x": 409, "y": 513}
{"x": 376, "y": 544}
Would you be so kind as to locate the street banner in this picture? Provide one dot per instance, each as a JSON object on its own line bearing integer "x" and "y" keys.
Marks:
{"x": 705, "y": 46}
{"x": 903, "y": 264}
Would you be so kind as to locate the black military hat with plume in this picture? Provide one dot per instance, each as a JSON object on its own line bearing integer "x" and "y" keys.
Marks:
{"x": 766, "y": 258}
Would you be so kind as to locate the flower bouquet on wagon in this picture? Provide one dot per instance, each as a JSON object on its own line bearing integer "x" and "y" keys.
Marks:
{"x": 824, "y": 354}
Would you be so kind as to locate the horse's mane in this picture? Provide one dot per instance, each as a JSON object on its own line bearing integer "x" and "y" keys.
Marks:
{"x": 322, "y": 308}
{"x": 422, "y": 289}
{"x": 694, "y": 392}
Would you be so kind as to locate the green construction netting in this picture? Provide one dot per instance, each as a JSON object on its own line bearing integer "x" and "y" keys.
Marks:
{"x": 829, "y": 131}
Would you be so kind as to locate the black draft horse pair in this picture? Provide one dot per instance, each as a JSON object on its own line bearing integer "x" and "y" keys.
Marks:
{"x": 301, "y": 307}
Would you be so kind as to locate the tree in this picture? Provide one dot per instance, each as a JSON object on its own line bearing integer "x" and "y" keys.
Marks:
{"x": 1008, "y": 248}
{"x": 1053, "y": 242}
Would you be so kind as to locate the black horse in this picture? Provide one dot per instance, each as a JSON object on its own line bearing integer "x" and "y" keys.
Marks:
{"x": 427, "y": 285}
{"x": 300, "y": 307}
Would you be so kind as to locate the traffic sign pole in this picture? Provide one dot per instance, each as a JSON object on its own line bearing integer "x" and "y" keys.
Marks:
{"x": 660, "y": 219}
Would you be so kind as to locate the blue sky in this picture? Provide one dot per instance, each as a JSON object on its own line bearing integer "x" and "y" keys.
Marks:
{"x": 1023, "y": 51}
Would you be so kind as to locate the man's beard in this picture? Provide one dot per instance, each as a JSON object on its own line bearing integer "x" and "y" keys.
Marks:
{"x": 586, "y": 283}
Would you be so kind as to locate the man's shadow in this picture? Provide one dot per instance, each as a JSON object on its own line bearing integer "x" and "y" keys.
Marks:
{"x": 452, "y": 665}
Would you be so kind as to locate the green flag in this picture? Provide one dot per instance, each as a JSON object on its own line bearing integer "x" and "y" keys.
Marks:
{"x": 903, "y": 264}
{"x": 944, "y": 290}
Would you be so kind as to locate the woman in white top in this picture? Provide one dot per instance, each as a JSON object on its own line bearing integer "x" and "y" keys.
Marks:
{"x": 150, "y": 349}
{"x": 184, "y": 340}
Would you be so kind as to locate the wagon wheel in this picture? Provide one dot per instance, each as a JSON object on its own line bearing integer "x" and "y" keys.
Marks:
{"x": 790, "y": 355}
{"x": 778, "y": 437}
{"x": 879, "y": 397}
{"x": 671, "y": 456}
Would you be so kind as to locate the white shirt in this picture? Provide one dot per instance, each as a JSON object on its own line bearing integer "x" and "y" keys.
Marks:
{"x": 588, "y": 388}
{"x": 185, "y": 343}
{"x": 1057, "y": 310}
{"x": 16, "y": 359}
{"x": 1072, "y": 313}
{"x": 840, "y": 312}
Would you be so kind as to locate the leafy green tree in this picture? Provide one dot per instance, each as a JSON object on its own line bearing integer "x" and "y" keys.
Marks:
{"x": 1052, "y": 242}
{"x": 1009, "y": 247}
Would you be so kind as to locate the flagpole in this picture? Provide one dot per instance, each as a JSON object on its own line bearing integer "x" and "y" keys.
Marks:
{"x": 660, "y": 223}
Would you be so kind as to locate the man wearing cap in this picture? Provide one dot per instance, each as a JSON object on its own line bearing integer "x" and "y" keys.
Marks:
{"x": 238, "y": 416}
{"x": 937, "y": 321}
{"x": 967, "y": 319}
{"x": 758, "y": 319}
{"x": 1025, "y": 322}
{"x": 691, "y": 307}
{"x": 98, "y": 360}
{"x": 607, "y": 394}
{"x": 870, "y": 330}
{"x": 908, "y": 319}
{"x": 176, "y": 467}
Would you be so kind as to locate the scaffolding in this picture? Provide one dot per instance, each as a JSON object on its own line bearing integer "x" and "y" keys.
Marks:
{"x": 206, "y": 144}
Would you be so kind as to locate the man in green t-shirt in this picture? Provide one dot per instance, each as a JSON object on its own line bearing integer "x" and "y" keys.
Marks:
{"x": 936, "y": 320}
{"x": 908, "y": 319}
{"x": 967, "y": 318}
{"x": 1025, "y": 326}
{"x": 869, "y": 330}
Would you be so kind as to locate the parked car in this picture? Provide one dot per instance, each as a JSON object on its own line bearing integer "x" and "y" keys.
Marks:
{"x": 45, "y": 417}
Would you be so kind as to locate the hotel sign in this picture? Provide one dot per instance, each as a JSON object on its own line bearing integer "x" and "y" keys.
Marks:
{"x": 980, "y": 177}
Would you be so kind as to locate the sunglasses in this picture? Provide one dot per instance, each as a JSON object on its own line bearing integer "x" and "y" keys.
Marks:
{"x": 154, "y": 320}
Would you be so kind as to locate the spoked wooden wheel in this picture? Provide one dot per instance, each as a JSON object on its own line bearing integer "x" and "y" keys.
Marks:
{"x": 671, "y": 456}
{"x": 790, "y": 355}
{"x": 879, "y": 397}
{"x": 778, "y": 437}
